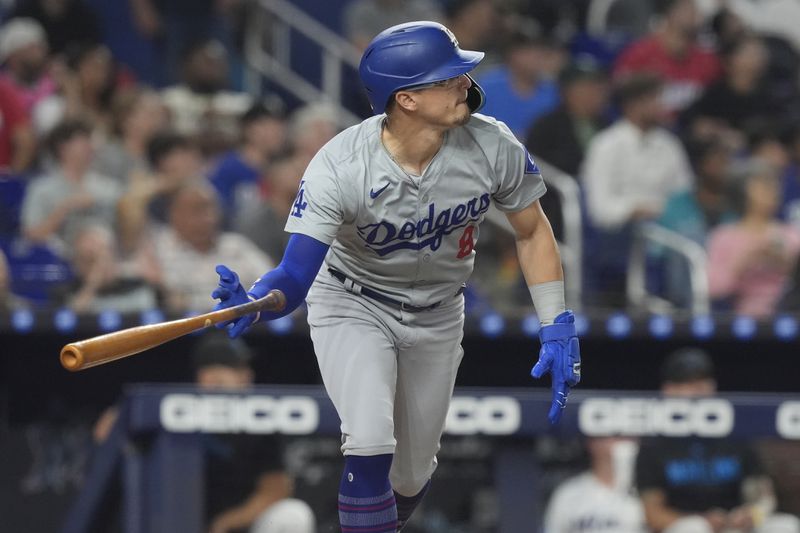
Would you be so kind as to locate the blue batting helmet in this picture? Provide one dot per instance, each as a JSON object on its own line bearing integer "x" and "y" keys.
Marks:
{"x": 412, "y": 54}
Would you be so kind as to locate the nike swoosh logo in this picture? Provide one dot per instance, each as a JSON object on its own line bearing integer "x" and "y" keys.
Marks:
{"x": 374, "y": 194}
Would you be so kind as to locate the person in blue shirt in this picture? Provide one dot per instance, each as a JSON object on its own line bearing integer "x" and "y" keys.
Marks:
{"x": 237, "y": 173}
{"x": 522, "y": 89}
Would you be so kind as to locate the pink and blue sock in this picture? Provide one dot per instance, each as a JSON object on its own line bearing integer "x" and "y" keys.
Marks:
{"x": 366, "y": 499}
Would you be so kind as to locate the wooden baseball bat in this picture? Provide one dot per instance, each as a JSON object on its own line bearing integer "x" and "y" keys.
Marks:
{"x": 112, "y": 346}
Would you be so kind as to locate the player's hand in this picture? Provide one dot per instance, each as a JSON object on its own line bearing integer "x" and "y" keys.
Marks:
{"x": 230, "y": 293}
{"x": 561, "y": 356}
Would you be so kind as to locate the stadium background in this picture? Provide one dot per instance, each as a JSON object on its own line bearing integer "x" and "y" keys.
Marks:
{"x": 47, "y": 415}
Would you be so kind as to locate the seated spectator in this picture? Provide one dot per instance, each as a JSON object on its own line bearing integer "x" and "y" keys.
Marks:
{"x": 8, "y": 300}
{"x": 174, "y": 161}
{"x": 630, "y": 169}
{"x": 247, "y": 486}
{"x": 189, "y": 249}
{"x": 136, "y": 115}
{"x": 17, "y": 138}
{"x": 562, "y": 136}
{"x": 741, "y": 97}
{"x": 237, "y": 173}
{"x": 633, "y": 166}
{"x": 749, "y": 261}
{"x": 87, "y": 82}
{"x": 598, "y": 500}
{"x": 672, "y": 52}
{"x": 202, "y": 106}
{"x": 66, "y": 22}
{"x": 23, "y": 52}
{"x": 364, "y": 19}
{"x": 310, "y": 127}
{"x": 263, "y": 224}
{"x": 699, "y": 484}
{"x": 99, "y": 283}
{"x": 72, "y": 195}
{"x": 693, "y": 213}
{"x": 775, "y": 18}
{"x": 519, "y": 92}
{"x": 477, "y": 26}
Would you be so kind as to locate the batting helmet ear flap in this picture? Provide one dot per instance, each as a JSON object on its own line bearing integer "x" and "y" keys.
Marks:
{"x": 475, "y": 96}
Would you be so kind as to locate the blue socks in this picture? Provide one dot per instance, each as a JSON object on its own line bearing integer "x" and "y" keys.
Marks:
{"x": 407, "y": 504}
{"x": 366, "y": 500}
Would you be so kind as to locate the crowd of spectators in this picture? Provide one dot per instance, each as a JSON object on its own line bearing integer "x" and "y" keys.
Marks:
{"x": 681, "y": 113}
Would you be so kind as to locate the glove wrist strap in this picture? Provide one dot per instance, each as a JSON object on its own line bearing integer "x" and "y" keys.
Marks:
{"x": 556, "y": 332}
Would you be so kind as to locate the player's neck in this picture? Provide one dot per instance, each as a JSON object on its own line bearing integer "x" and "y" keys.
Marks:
{"x": 411, "y": 145}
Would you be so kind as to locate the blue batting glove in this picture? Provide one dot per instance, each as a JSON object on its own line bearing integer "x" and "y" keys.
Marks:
{"x": 561, "y": 356}
{"x": 230, "y": 293}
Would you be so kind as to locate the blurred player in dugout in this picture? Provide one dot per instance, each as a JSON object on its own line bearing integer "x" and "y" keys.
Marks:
{"x": 247, "y": 487}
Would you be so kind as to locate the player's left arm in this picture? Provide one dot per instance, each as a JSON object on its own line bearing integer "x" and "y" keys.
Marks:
{"x": 540, "y": 261}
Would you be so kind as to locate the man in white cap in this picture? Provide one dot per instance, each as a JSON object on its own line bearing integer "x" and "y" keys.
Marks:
{"x": 24, "y": 56}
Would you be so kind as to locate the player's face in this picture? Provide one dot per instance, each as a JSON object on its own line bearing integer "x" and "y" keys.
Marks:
{"x": 444, "y": 103}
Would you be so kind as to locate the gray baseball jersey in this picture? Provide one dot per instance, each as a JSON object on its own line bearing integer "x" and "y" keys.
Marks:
{"x": 411, "y": 237}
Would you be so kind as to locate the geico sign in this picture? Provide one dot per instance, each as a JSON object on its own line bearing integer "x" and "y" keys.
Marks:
{"x": 213, "y": 413}
{"x": 787, "y": 420}
{"x": 490, "y": 415}
{"x": 674, "y": 417}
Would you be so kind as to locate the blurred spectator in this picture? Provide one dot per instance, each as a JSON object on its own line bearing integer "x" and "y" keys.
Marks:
{"x": 202, "y": 106}
{"x": 633, "y": 166}
{"x": 192, "y": 245}
{"x": 99, "y": 283}
{"x": 237, "y": 173}
{"x": 749, "y": 262}
{"x": 623, "y": 19}
{"x": 562, "y": 136}
{"x": 693, "y": 213}
{"x": 247, "y": 486}
{"x": 703, "y": 485}
{"x": 672, "y": 51}
{"x": 264, "y": 223}
{"x": 310, "y": 127}
{"x": 790, "y": 206}
{"x": 17, "y": 139}
{"x": 775, "y": 17}
{"x": 136, "y": 115}
{"x": 86, "y": 81}
{"x": 741, "y": 97}
{"x": 23, "y": 52}
{"x": 630, "y": 169}
{"x": 476, "y": 24}
{"x": 8, "y": 300}
{"x": 71, "y": 195}
{"x": 66, "y": 22}
{"x": 520, "y": 91}
{"x": 598, "y": 500}
{"x": 176, "y": 25}
{"x": 364, "y": 19}
{"x": 174, "y": 161}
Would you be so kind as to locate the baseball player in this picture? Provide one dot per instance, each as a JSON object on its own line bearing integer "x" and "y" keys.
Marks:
{"x": 383, "y": 230}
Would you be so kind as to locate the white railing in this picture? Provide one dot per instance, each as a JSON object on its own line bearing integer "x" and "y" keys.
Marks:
{"x": 271, "y": 58}
{"x": 652, "y": 234}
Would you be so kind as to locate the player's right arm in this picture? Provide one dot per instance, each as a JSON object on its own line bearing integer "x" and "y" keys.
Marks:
{"x": 314, "y": 221}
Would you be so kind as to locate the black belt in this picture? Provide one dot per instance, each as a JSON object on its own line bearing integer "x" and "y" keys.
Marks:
{"x": 379, "y": 296}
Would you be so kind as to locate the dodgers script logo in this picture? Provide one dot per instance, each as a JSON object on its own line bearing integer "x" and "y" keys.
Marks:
{"x": 384, "y": 237}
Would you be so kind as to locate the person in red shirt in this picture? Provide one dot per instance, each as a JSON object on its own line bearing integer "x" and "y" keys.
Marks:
{"x": 672, "y": 51}
{"x": 17, "y": 140}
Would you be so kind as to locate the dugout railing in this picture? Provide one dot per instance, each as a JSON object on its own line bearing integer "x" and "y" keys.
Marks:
{"x": 163, "y": 486}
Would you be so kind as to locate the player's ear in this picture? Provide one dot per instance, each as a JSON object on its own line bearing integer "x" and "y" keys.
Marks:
{"x": 405, "y": 100}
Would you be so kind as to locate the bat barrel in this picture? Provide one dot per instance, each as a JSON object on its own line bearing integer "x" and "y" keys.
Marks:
{"x": 71, "y": 357}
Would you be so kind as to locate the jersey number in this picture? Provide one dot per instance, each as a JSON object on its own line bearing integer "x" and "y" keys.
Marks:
{"x": 299, "y": 203}
{"x": 466, "y": 243}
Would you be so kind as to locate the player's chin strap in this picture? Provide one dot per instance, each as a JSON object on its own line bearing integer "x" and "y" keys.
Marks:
{"x": 476, "y": 98}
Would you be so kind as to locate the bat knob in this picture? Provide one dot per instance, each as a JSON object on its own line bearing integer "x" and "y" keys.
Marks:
{"x": 71, "y": 358}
